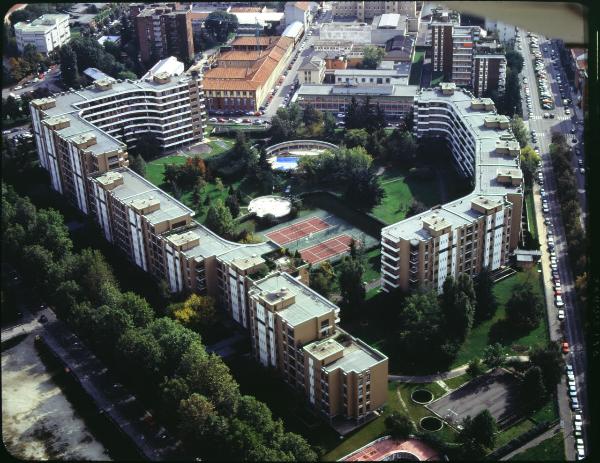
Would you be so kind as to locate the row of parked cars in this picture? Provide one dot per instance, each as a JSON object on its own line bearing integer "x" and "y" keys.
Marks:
{"x": 544, "y": 89}
{"x": 560, "y": 305}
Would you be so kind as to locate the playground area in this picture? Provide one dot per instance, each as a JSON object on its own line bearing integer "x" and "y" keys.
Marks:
{"x": 319, "y": 236}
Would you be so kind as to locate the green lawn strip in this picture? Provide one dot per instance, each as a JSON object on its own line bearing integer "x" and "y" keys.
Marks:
{"x": 156, "y": 168}
{"x": 372, "y": 293}
{"x": 367, "y": 433}
{"x": 458, "y": 381}
{"x": 373, "y": 267}
{"x": 477, "y": 339}
{"x": 552, "y": 449}
{"x": 548, "y": 412}
{"x": 504, "y": 437}
{"x": 436, "y": 78}
{"x": 531, "y": 214}
{"x": 416, "y": 411}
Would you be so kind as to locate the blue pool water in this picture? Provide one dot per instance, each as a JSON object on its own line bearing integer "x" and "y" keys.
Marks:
{"x": 286, "y": 162}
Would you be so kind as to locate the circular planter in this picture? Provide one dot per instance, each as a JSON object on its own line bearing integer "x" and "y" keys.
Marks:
{"x": 421, "y": 396}
{"x": 431, "y": 423}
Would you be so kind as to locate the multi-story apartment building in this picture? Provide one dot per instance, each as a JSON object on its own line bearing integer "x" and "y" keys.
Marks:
{"x": 244, "y": 76}
{"x": 46, "y": 33}
{"x": 489, "y": 73}
{"x": 394, "y": 100}
{"x": 293, "y": 329}
{"x": 87, "y": 131}
{"x": 364, "y": 10}
{"x": 164, "y": 31}
{"x": 476, "y": 231}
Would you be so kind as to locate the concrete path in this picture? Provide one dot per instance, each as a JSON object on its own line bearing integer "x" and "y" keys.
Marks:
{"x": 532, "y": 443}
{"x": 458, "y": 371}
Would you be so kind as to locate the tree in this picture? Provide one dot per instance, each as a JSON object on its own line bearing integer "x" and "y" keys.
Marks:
{"x": 372, "y": 57}
{"x": 475, "y": 368}
{"x": 551, "y": 363}
{"x": 352, "y": 117}
{"x": 416, "y": 207}
{"x": 197, "y": 312}
{"x": 311, "y": 116}
{"x": 514, "y": 60}
{"x": 532, "y": 390}
{"x": 110, "y": 324}
{"x": 220, "y": 24}
{"x": 351, "y": 284}
{"x": 457, "y": 304}
{"x": 524, "y": 308}
{"x": 219, "y": 219}
{"x": 147, "y": 146}
{"x": 10, "y": 108}
{"x": 486, "y": 302}
{"x": 398, "y": 425}
{"x": 480, "y": 429}
{"x": 493, "y": 355}
{"x": 138, "y": 165}
{"x": 141, "y": 354}
{"x": 233, "y": 205}
{"x": 356, "y": 137}
{"x": 195, "y": 416}
{"x": 137, "y": 307}
{"x": 322, "y": 278}
{"x": 519, "y": 130}
{"x": 68, "y": 66}
{"x": 329, "y": 126}
{"x": 529, "y": 163}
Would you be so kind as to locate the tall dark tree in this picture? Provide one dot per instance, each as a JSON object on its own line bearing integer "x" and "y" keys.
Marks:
{"x": 398, "y": 425}
{"x": 68, "y": 66}
{"x": 220, "y": 24}
{"x": 351, "y": 284}
{"x": 481, "y": 429}
{"x": 353, "y": 118}
{"x": 532, "y": 391}
{"x": 493, "y": 355}
{"x": 524, "y": 308}
{"x": 138, "y": 164}
{"x": 486, "y": 302}
{"x": 232, "y": 204}
{"x": 551, "y": 363}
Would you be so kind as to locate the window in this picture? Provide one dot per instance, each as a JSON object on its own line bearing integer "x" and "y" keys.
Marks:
{"x": 325, "y": 323}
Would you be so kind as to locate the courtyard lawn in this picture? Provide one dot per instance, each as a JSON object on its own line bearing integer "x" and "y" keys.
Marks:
{"x": 478, "y": 338}
{"x": 156, "y": 168}
{"x": 548, "y": 413}
{"x": 552, "y": 449}
{"x": 416, "y": 68}
{"x": 504, "y": 437}
{"x": 399, "y": 193}
{"x": 454, "y": 383}
{"x": 373, "y": 261}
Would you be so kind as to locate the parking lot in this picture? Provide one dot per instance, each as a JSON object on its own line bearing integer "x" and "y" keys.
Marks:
{"x": 495, "y": 392}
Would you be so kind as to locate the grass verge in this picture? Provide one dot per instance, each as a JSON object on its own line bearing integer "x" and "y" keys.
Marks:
{"x": 552, "y": 449}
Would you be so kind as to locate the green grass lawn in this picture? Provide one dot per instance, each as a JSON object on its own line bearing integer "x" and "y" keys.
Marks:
{"x": 156, "y": 168}
{"x": 531, "y": 214}
{"x": 504, "y": 437}
{"x": 373, "y": 259}
{"x": 399, "y": 192}
{"x": 548, "y": 412}
{"x": 454, "y": 383}
{"x": 478, "y": 339}
{"x": 372, "y": 293}
{"x": 436, "y": 78}
{"x": 552, "y": 449}
{"x": 416, "y": 68}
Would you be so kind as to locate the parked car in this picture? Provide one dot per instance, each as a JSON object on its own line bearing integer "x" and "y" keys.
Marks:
{"x": 565, "y": 347}
{"x": 561, "y": 315}
{"x": 559, "y": 302}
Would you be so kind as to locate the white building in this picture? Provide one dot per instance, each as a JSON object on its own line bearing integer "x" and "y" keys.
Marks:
{"x": 171, "y": 65}
{"x": 303, "y": 12}
{"x": 46, "y": 33}
{"x": 312, "y": 70}
{"x": 506, "y": 32}
{"x": 369, "y": 77}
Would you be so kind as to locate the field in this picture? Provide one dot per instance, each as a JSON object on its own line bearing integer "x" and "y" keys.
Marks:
{"x": 552, "y": 449}
{"x": 400, "y": 189}
{"x": 478, "y": 338}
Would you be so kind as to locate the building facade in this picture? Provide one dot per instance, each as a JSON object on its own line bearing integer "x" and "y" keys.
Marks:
{"x": 87, "y": 131}
{"x": 293, "y": 329}
{"x": 242, "y": 80}
{"x": 312, "y": 70}
{"x": 364, "y": 10}
{"x": 395, "y": 100}
{"x": 477, "y": 231}
{"x": 163, "y": 31}
{"x": 489, "y": 73}
{"x": 46, "y": 33}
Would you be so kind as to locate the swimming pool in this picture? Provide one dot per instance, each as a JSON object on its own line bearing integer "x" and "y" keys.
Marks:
{"x": 285, "y": 162}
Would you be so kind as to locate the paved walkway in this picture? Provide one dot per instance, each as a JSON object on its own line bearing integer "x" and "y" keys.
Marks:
{"x": 532, "y": 443}
{"x": 458, "y": 371}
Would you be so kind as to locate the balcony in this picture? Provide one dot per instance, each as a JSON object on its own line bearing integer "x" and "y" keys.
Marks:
{"x": 391, "y": 275}
{"x": 392, "y": 266}
{"x": 389, "y": 246}
{"x": 394, "y": 257}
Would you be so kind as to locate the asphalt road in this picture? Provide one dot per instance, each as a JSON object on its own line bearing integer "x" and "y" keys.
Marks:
{"x": 571, "y": 329}
{"x": 51, "y": 82}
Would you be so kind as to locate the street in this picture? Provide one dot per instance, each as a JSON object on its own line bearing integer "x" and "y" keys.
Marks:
{"x": 571, "y": 328}
{"x": 51, "y": 81}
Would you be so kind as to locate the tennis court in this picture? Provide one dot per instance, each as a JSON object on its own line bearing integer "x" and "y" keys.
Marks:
{"x": 298, "y": 230}
{"x": 331, "y": 247}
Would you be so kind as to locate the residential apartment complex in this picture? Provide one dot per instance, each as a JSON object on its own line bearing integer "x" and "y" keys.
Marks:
{"x": 394, "y": 100}
{"x": 80, "y": 143}
{"x": 87, "y": 131}
{"x": 293, "y": 329}
{"x": 364, "y": 10}
{"x": 477, "y": 231}
{"x": 163, "y": 31}
{"x": 244, "y": 76}
{"x": 46, "y": 33}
